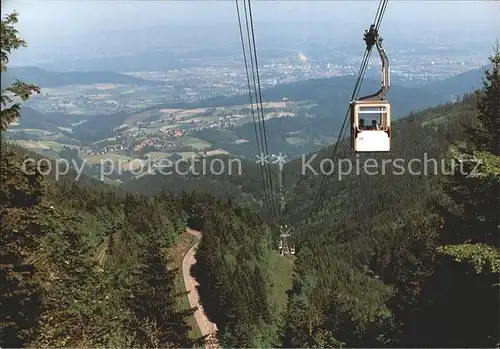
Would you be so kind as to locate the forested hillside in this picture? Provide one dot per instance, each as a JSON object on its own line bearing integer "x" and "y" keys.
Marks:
{"x": 55, "y": 292}
{"x": 397, "y": 256}
{"x": 32, "y": 118}
{"x": 242, "y": 183}
{"x": 377, "y": 266}
{"x": 90, "y": 253}
{"x": 232, "y": 267}
{"x": 81, "y": 263}
{"x": 399, "y": 259}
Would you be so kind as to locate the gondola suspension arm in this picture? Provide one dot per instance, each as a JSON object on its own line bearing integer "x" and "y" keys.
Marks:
{"x": 372, "y": 38}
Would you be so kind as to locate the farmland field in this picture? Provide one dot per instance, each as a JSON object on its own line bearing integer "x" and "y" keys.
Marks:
{"x": 32, "y": 131}
{"x": 295, "y": 140}
{"x": 158, "y": 155}
{"x": 269, "y": 105}
{"x": 134, "y": 164}
{"x": 180, "y": 115}
{"x": 139, "y": 117}
{"x": 111, "y": 139}
{"x": 169, "y": 127}
{"x": 106, "y": 87}
{"x": 217, "y": 152}
{"x": 98, "y": 159}
{"x": 57, "y": 146}
{"x": 169, "y": 111}
{"x": 186, "y": 155}
{"x": 48, "y": 145}
{"x": 32, "y": 145}
{"x": 194, "y": 142}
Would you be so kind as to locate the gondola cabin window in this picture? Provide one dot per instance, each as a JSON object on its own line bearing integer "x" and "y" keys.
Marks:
{"x": 371, "y": 126}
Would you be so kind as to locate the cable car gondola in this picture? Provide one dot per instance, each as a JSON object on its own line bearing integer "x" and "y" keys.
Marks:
{"x": 371, "y": 115}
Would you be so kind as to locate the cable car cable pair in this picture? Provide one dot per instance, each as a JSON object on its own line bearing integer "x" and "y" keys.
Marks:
{"x": 262, "y": 147}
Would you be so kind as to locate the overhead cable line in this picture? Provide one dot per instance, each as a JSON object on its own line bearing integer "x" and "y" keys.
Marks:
{"x": 259, "y": 96}
{"x": 252, "y": 106}
{"x": 262, "y": 142}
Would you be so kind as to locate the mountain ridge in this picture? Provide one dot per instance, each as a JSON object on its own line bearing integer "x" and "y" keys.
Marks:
{"x": 47, "y": 78}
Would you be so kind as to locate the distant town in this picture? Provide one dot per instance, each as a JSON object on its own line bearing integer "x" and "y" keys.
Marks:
{"x": 165, "y": 135}
{"x": 409, "y": 67}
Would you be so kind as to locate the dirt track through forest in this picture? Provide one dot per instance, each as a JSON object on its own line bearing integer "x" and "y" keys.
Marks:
{"x": 206, "y": 327}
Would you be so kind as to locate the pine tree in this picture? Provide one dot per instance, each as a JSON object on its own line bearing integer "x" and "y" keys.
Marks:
{"x": 11, "y": 40}
{"x": 20, "y": 232}
{"x": 20, "y": 193}
{"x": 158, "y": 324}
{"x": 471, "y": 230}
{"x": 476, "y": 185}
{"x": 485, "y": 135}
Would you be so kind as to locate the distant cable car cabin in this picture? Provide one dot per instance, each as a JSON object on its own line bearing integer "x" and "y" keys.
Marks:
{"x": 371, "y": 115}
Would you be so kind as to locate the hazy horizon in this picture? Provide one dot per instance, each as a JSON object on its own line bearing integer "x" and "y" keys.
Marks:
{"x": 91, "y": 28}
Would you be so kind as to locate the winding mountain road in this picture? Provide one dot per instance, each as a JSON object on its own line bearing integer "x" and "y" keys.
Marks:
{"x": 206, "y": 327}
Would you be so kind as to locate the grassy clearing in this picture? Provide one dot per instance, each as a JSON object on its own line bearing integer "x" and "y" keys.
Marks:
{"x": 106, "y": 86}
{"x": 195, "y": 142}
{"x": 271, "y": 105}
{"x": 134, "y": 164}
{"x": 150, "y": 131}
{"x": 111, "y": 139}
{"x": 281, "y": 270}
{"x": 169, "y": 111}
{"x": 301, "y": 104}
{"x": 217, "y": 152}
{"x": 206, "y": 118}
{"x": 50, "y": 154}
{"x": 97, "y": 159}
{"x": 31, "y": 144}
{"x": 187, "y": 155}
{"x": 115, "y": 182}
{"x": 176, "y": 254}
{"x": 56, "y": 145}
{"x": 169, "y": 127}
{"x": 59, "y": 138}
{"x": 139, "y": 117}
{"x": 439, "y": 120}
{"x": 186, "y": 113}
{"x": 32, "y": 131}
{"x": 295, "y": 140}
{"x": 158, "y": 155}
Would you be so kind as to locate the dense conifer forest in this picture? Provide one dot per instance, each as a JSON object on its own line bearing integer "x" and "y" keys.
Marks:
{"x": 392, "y": 260}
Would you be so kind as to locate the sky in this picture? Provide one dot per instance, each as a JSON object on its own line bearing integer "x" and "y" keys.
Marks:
{"x": 119, "y": 13}
{"x": 51, "y": 25}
